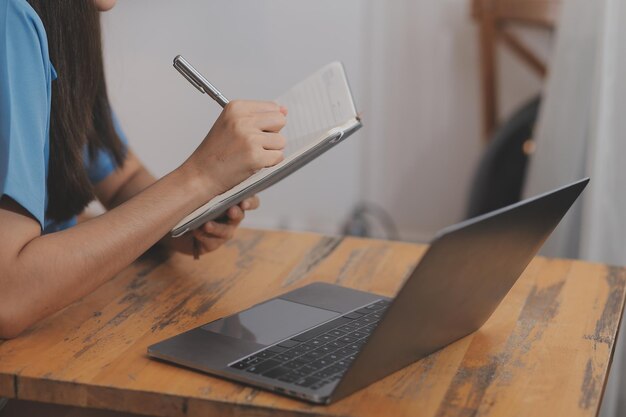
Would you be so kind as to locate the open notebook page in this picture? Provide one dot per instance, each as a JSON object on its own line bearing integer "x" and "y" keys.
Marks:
{"x": 316, "y": 105}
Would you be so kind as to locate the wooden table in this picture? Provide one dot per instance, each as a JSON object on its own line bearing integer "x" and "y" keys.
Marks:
{"x": 546, "y": 350}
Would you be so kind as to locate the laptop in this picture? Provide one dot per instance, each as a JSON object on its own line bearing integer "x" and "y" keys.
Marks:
{"x": 322, "y": 342}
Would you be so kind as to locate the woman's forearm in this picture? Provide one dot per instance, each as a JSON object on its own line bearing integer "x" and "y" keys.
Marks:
{"x": 53, "y": 270}
{"x": 41, "y": 274}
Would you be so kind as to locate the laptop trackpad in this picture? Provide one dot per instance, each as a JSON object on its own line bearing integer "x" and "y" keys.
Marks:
{"x": 271, "y": 321}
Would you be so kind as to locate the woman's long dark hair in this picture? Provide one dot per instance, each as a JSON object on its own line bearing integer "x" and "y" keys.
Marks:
{"x": 80, "y": 115}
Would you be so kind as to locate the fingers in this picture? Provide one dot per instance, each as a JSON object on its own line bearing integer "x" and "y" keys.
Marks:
{"x": 270, "y": 121}
{"x": 270, "y": 158}
{"x": 268, "y": 116}
{"x": 209, "y": 244}
{"x": 251, "y": 106}
{"x": 235, "y": 215}
{"x": 212, "y": 230}
{"x": 212, "y": 234}
{"x": 273, "y": 141}
{"x": 251, "y": 203}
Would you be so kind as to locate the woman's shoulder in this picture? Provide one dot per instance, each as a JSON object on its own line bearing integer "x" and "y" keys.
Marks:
{"x": 20, "y": 9}
{"x": 19, "y": 20}
{"x": 23, "y": 40}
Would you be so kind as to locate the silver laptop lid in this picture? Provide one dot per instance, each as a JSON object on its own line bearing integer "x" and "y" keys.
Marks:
{"x": 457, "y": 285}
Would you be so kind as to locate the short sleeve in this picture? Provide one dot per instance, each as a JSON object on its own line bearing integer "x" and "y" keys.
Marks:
{"x": 103, "y": 164}
{"x": 25, "y": 87}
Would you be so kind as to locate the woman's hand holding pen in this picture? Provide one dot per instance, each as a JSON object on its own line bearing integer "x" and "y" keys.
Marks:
{"x": 244, "y": 139}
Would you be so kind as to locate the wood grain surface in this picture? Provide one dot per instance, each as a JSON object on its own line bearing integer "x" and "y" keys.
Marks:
{"x": 545, "y": 351}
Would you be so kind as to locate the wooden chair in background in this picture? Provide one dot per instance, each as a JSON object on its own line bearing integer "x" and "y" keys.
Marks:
{"x": 496, "y": 18}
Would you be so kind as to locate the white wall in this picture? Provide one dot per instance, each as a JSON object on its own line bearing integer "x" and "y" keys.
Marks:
{"x": 413, "y": 67}
{"x": 425, "y": 96}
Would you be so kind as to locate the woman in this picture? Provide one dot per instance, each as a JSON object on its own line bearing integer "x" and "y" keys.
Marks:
{"x": 61, "y": 147}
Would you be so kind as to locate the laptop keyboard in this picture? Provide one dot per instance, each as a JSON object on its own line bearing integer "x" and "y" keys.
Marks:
{"x": 318, "y": 356}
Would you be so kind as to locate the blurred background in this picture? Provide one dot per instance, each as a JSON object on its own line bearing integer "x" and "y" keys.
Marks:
{"x": 467, "y": 105}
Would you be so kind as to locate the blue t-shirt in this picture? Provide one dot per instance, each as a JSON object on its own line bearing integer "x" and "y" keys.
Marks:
{"x": 26, "y": 76}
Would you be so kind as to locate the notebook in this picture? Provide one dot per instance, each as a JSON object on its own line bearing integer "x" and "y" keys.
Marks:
{"x": 321, "y": 114}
